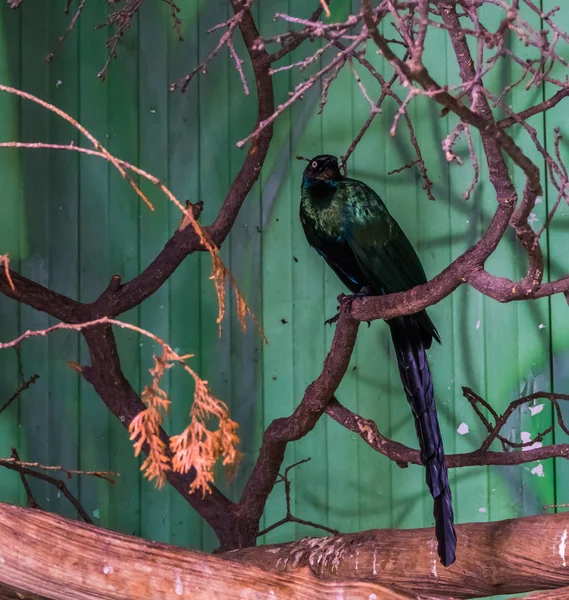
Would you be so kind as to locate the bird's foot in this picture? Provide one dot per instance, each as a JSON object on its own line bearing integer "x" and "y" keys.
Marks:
{"x": 346, "y": 302}
{"x": 333, "y": 319}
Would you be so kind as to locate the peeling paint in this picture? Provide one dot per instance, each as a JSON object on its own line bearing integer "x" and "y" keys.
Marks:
{"x": 538, "y": 471}
{"x": 562, "y": 547}
{"x": 535, "y": 410}
{"x": 483, "y": 509}
{"x": 463, "y": 429}
{"x": 375, "y": 562}
{"x": 532, "y": 218}
{"x": 526, "y": 437}
{"x": 478, "y": 324}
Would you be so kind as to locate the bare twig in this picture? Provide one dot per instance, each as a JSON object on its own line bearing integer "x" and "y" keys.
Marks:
{"x": 289, "y": 517}
{"x": 69, "y": 29}
{"x": 13, "y": 462}
{"x": 24, "y": 386}
{"x": 32, "y": 502}
{"x": 23, "y": 468}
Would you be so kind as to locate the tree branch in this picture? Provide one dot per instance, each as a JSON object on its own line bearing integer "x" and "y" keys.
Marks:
{"x": 111, "y": 564}
{"x": 403, "y": 455}
{"x": 282, "y": 431}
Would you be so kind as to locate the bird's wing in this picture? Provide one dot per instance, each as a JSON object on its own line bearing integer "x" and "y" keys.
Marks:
{"x": 339, "y": 256}
{"x": 382, "y": 250}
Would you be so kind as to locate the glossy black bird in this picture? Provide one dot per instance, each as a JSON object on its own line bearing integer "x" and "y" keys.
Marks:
{"x": 349, "y": 226}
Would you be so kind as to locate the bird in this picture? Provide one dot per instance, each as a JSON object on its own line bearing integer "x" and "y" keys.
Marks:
{"x": 348, "y": 224}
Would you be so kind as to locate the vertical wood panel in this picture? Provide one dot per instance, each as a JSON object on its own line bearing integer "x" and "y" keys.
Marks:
{"x": 308, "y": 312}
{"x": 36, "y": 188}
{"x": 154, "y": 225}
{"x": 373, "y": 368}
{"x": 341, "y": 446}
{"x": 12, "y": 241}
{"x": 94, "y": 251}
{"x": 534, "y": 327}
{"x": 125, "y": 209}
{"x": 183, "y": 179}
{"x": 434, "y": 231}
{"x": 279, "y": 211}
{"x": 62, "y": 250}
{"x": 214, "y": 356}
{"x": 559, "y": 332}
{"x": 246, "y": 258}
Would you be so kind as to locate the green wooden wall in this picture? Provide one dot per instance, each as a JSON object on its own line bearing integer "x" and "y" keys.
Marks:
{"x": 70, "y": 222}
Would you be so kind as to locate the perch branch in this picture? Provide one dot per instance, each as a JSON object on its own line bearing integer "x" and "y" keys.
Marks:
{"x": 282, "y": 431}
{"x": 289, "y": 517}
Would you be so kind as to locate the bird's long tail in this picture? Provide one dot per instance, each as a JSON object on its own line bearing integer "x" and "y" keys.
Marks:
{"x": 409, "y": 343}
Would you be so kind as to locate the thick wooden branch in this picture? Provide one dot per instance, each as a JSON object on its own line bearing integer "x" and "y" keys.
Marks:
{"x": 302, "y": 421}
{"x": 46, "y": 556}
{"x": 503, "y": 557}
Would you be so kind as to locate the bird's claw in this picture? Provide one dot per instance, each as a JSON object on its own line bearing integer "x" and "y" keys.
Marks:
{"x": 346, "y": 302}
{"x": 332, "y": 320}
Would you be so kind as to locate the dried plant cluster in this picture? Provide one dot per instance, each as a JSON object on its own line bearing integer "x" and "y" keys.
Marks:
{"x": 197, "y": 447}
{"x": 398, "y": 31}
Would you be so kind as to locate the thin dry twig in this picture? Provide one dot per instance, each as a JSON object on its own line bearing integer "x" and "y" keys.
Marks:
{"x": 231, "y": 24}
{"x": 24, "y": 386}
{"x": 24, "y": 470}
{"x": 69, "y": 29}
{"x": 32, "y": 502}
{"x": 289, "y": 517}
{"x": 106, "y": 475}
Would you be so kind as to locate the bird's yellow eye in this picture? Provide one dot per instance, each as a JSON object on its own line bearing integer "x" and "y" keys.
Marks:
{"x": 314, "y": 164}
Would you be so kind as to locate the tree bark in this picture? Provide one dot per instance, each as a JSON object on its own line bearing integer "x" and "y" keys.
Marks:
{"x": 46, "y": 556}
{"x": 503, "y": 557}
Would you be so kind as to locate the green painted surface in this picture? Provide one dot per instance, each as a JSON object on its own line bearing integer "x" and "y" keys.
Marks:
{"x": 76, "y": 223}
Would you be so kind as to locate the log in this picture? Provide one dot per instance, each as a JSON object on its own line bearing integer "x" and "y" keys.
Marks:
{"x": 46, "y": 556}
{"x": 502, "y": 557}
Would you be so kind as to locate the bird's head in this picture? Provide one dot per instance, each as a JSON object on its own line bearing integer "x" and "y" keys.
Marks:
{"x": 323, "y": 167}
